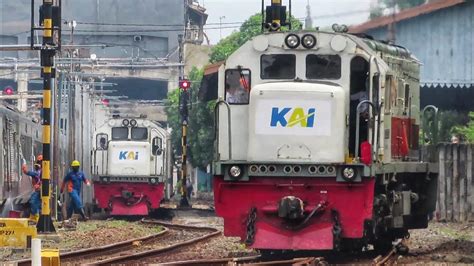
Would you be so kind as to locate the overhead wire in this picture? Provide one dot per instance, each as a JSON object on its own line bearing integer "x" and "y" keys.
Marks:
{"x": 348, "y": 13}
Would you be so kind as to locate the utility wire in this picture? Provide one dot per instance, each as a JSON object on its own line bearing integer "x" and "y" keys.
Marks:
{"x": 158, "y": 30}
{"x": 349, "y": 13}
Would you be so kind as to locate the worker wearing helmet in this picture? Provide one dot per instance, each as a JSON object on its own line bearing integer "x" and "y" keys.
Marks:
{"x": 73, "y": 180}
{"x": 35, "y": 199}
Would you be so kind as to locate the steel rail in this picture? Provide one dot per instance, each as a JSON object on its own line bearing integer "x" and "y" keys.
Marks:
{"x": 384, "y": 260}
{"x": 100, "y": 251}
{"x": 126, "y": 258}
{"x": 253, "y": 260}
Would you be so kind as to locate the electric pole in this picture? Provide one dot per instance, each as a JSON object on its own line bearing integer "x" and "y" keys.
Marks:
{"x": 220, "y": 25}
{"x": 391, "y": 27}
{"x": 308, "y": 22}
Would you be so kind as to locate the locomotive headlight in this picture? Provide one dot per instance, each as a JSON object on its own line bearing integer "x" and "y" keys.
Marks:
{"x": 235, "y": 171}
{"x": 348, "y": 173}
{"x": 153, "y": 180}
{"x": 292, "y": 41}
{"x": 308, "y": 41}
{"x": 133, "y": 123}
{"x": 125, "y": 122}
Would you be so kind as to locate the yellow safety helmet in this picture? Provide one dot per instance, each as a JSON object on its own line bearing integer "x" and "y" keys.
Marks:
{"x": 75, "y": 163}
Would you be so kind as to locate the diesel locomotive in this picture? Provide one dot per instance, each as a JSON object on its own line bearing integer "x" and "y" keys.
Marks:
{"x": 317, "y": 142}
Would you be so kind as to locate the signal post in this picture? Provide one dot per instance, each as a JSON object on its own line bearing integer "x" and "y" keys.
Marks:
{"x": 48, "y": 51}
{"x": 184, "y": 86}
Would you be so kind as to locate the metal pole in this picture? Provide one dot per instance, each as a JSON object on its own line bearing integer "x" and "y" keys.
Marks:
{"x": 56, "y": 139}
{"x": 220, "y": 25}
{"x": 48, "y": 50}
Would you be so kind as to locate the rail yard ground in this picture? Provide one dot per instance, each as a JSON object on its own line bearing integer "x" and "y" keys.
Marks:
{"x": 451, "y": 243}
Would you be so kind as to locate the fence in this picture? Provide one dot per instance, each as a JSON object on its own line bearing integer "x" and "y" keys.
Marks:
{"x": 455, "y": 184}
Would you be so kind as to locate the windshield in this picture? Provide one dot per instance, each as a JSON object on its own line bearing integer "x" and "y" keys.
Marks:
{"x": 120, "y": 133}
{"x": 139, "y": 133}
{"x": 323, "y": 66}
{"x": 278, "y": 66}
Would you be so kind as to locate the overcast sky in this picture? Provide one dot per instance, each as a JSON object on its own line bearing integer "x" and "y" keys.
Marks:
{"x": 324, "y": 12}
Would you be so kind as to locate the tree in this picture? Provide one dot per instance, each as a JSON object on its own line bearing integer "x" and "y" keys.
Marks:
{"x": 384, "y": 5}
{"x": 467, "y": 132}
{"x": 249, "y": 29}
{"x": 201, "y": 114}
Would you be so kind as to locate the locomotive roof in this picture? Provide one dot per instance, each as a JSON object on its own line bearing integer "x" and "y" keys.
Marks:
{"x": 9, "y": 110}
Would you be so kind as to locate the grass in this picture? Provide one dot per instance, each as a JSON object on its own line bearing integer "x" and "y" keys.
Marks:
{"x": 455, "y": 234}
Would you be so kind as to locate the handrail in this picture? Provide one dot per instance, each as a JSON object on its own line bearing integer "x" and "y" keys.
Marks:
{"x": 434, "y": 138}
{"x": 374, "y": 109}
{"x": 163, "y": 154}
{"x": 379, "y": 122}
{"x": 216, "y": 127}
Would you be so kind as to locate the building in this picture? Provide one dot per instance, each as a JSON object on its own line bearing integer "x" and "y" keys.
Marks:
{"x": 440, "y": 34}
{"x": 130, "y": 48}
{"x": 144, "y": 32}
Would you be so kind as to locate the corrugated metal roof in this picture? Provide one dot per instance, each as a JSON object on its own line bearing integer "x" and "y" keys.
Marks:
{"x": 213, "y": 68}
{"x": 405, "y": 14}
{"x": 446, "y": 85}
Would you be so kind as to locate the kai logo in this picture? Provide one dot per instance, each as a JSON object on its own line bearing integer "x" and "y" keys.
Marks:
{"x": 291, "y": 117}
{"x": 128, "y": 155}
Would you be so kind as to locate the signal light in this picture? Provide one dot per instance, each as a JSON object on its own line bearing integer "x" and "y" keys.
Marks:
{"x": 8, "y": 91}
{"x": 184, "y": 84}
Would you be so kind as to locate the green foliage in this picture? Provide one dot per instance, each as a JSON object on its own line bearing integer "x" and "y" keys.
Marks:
{"x": 467, "y": 131}
{"x": 174, "y": 120}
{"x": 388, "y": 4}
{"x": 448, "y": 122}
{"x": 200, "y": 127}
{"x": 403, "y": 4}
{"x": 225, "y": 47}
{"x": 249, "y": 29}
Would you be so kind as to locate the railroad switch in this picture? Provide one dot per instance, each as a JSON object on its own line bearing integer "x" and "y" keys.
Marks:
{"x": 16, "y": 233}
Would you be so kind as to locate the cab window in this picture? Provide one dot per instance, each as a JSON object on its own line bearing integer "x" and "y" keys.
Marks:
{"x": 157, "y": 146}
{"x": 237, "y": 86}
{"x": 102, "y": 141}
{"x": 139, "y": 133}
{"x": 119, "y": 133}
{"x": 323, "y": 66}
{"x": 278, "y": 66}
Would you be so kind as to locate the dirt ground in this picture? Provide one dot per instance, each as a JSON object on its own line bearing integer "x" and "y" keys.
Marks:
{"x": 451, "y": 243}
{"x": 440, "y": 243}
{"x": 445, "y": 243}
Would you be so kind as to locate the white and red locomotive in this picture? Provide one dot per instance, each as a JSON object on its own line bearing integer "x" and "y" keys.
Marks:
{"x": 131, "y": 165}
{"x": 317, "y": 143}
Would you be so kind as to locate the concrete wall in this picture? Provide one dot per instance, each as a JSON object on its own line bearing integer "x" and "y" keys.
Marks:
{"x": 196, "y": 56}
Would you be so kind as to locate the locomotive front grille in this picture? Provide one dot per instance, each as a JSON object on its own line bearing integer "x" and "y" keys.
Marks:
{"x": 294, "y": 170}
{"x": 130, "y": 179}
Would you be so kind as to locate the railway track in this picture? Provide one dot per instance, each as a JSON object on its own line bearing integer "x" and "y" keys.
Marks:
{"x": 179, "y": 236}
{"x": 255, "y": 260}
{"x": 173, "y": 237}
{"x": 390, "y": 257}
